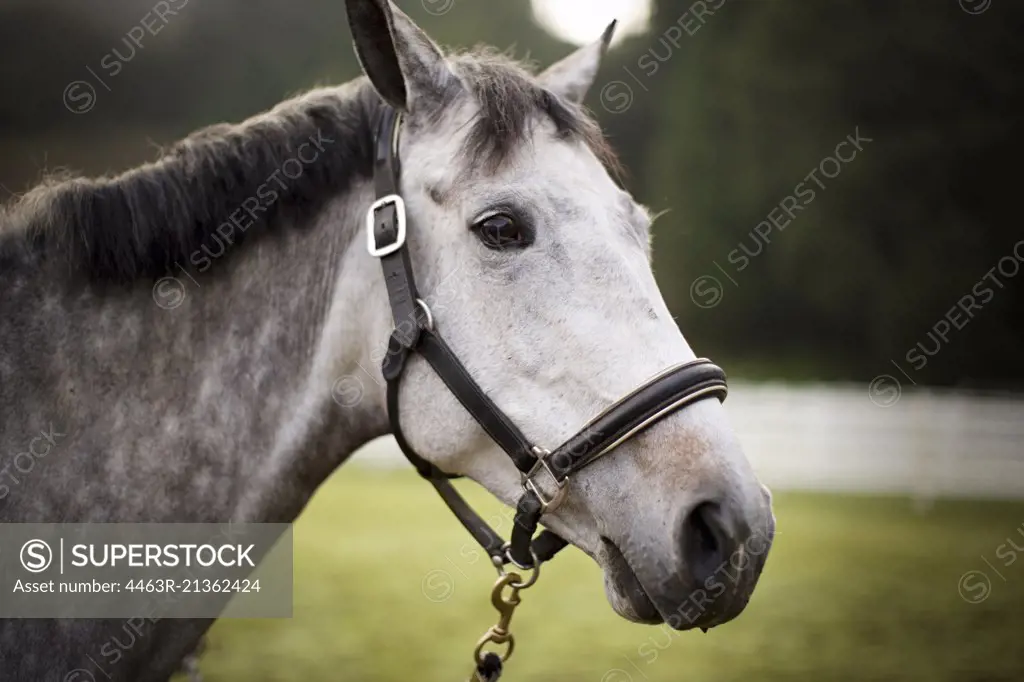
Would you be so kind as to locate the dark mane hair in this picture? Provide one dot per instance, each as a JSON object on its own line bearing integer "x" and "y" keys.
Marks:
{"x": 140, "y": 223}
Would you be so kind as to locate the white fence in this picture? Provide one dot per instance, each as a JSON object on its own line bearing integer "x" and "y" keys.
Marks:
{"x": 926, "y": 444}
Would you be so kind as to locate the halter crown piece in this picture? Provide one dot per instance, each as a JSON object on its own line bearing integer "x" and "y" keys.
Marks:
{"x": 415, "y": 332}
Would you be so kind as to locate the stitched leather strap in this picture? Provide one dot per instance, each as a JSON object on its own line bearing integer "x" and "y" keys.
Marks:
{"x": 413, "y": 333}
{"x": 398, "y": 277}
{"x": 669, "y": 392}
{"x": 545, "y": 546}
{"x": 498, "y": 426}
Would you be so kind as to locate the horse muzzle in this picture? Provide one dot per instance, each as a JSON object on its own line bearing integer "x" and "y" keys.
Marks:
{"x": 717, "y": 558}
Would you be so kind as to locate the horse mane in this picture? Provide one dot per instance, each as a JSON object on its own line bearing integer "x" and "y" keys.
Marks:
{"x": 140, "y": 223}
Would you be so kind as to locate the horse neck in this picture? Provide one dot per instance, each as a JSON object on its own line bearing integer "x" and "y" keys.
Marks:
{"x": 218, "y": 407}
{"x": 342, "y": 404}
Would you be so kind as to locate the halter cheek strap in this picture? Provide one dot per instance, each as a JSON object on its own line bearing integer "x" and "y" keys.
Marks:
{"x": 414, "y": 331}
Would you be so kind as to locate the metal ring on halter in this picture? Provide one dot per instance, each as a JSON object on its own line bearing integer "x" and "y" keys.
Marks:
{"x": 535, "y": 569}
{"x": 426, "y": 311}
{"x": 533, "y": 576}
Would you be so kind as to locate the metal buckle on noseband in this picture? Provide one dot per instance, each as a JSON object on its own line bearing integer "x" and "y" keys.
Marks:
{"x": 529, "y": 485}
{"x": 371, "y": 224}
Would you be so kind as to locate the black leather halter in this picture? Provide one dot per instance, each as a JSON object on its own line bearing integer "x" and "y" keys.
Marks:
{"x": 414, "y": 331}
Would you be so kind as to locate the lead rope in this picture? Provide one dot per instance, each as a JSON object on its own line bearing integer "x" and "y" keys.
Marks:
{"x": 488, "y": 664}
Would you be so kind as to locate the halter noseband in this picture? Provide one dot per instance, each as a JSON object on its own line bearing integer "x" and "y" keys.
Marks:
{"x": 414, "y": 331}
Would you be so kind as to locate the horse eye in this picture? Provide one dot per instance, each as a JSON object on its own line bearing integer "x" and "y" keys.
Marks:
{"x": 500, "y": 231}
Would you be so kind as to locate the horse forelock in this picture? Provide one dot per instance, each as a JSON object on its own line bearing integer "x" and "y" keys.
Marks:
{"x": 509, "y": 99}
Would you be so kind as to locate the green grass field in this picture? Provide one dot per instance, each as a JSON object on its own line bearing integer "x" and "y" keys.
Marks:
{"x": 389, "y": 587}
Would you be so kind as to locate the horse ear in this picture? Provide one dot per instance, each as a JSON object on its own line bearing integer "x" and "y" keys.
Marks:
{"x": 573, "y": 76}
{"x": 403, "y": 64}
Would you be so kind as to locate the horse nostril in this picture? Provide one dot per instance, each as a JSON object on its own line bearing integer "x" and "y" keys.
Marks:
{"x": 705, "y": 543}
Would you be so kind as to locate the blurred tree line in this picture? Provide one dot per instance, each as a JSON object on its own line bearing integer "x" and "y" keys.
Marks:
{"x": 721, "y": 112}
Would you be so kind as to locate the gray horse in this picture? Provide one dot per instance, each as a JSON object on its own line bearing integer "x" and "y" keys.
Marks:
{"x": 197, "y": 339}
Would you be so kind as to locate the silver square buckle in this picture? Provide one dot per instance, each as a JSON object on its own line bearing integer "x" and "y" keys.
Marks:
{"x": 371, "y": 238}
{"x": 546, "y": 505}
